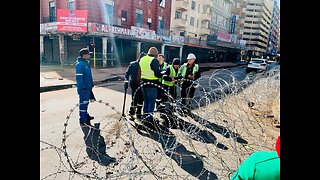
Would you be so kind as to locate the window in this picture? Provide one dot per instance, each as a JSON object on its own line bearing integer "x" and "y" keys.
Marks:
{"x": 71, "y": 5}
{"x": 214, "y": 17}
{"x": 160, "y": 24}
{"x": 149, "y": 22}
{"x": 193, "y": 5}
{"x": 204, "y": 24}
{"x": 178, "y": 15}
{"x": 124, "y": 15}
{"x": 198, "y": 8}
{"x": 139, "y": 17}
{"x": 162, "y": 3}
{"x": 109, "y": 13}
{"x": 192, "y": 21}
{"x": 52, "y": 11}
{"x": 197, "y": 22}
{"x": 238, "y": 4}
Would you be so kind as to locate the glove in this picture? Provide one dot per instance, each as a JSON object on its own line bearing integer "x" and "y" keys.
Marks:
{"x": 126, "y": 84}
{"x": 92, "y": 98}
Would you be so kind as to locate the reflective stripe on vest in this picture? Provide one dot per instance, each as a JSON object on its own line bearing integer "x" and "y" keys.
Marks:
{"x": 184, "y": 69}
{"x": 172, "y": 74}
{"x": 146, "y": 71}
{"x": 162, "y": 69}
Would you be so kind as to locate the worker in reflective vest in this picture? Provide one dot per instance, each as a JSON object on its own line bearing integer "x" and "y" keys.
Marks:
{"x": 160, "y": 94}
{"x": 150, "y": 73}
{"x": 171, "y": 76}
{"x": 190, "y": 72}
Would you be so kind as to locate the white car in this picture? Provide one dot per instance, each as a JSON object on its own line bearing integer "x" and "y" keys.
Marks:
{"x": 257, "y": 64}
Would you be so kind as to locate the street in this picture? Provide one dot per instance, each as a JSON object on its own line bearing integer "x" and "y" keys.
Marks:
{"x": 59, "y": 123}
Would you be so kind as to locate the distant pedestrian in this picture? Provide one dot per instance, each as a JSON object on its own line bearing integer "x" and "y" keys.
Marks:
{"x": 84, "y": 86}
{"x": 133, "y": 78}
{"x": 150, "y": 73}
{"x": 190, "y": 72}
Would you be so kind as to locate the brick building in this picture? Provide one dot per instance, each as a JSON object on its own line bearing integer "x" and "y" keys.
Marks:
{"x": 115, "y": 31}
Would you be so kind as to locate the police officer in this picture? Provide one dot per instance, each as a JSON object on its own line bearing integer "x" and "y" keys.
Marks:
{"x": 150, "y": 73}
{"x": 84, "y": 85}
{"x": 190, "y": 72}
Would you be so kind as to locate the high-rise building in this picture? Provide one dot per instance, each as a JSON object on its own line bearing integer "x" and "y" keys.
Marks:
{"x": 253, "y": 24}
{"x": 274, "y": 35}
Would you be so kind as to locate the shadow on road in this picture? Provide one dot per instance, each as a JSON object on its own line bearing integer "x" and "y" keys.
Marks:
{"x": 96, "y": 147}
{"x": 219, "y": 129}
{"x": 185, "y": 159}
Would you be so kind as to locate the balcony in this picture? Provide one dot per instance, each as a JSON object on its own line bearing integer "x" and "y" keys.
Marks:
{"x": 179, "y": 23}
{"x": 206, "y": 16}
{"x": 204, "y": 31}
{"x": 181, "y": 5}
{"x": 207, "y": 3}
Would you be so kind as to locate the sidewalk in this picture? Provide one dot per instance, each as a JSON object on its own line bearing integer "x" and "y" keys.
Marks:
{"x": 54, "y": 77}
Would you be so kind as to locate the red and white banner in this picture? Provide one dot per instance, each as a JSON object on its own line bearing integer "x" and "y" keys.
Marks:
{"x": 222, "y": 36}
{"x": 72, "y": 20}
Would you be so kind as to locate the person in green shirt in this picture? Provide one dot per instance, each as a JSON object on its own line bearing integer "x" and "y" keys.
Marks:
{"x": 260, "y": 165}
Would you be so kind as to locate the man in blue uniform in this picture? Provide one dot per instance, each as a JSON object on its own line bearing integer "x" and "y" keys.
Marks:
{"x": 84, "y": 85}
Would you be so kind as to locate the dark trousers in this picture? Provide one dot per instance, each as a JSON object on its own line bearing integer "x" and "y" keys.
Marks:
{"x": 173, "y": 92}
{"x": 137, "y": 100}
{"x": 149, "y": 99}
{"x": 160, "y": 96}
{"x": 187, "y": 89}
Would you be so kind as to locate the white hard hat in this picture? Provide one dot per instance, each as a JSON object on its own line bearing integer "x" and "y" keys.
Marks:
{"x": 191, "y": 56}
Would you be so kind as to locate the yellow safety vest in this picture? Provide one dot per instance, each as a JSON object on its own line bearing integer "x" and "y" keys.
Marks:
{"x": 184, "y": 69}
{"x": 162, "y": 69}
{"x": 146, "y": 71}
{"x": 172, "y": 74}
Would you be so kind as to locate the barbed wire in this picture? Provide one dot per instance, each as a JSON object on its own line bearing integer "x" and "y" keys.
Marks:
{"x": 227, "y": 121}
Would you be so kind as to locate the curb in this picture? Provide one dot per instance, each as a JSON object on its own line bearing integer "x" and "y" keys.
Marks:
{"x": 115, "y": 78}
{"x": 66, "y": 86}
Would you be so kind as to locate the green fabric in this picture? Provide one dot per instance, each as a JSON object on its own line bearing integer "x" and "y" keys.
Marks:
{"x": 259, "y": 166}
{"x": 184, "y": 69}
{"x": 146, "y": 71}
{"x": 162, "y": 69}
{"x": 172, "y": 74}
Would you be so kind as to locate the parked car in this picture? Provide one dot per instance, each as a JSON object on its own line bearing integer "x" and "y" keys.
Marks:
{"x": 257, "y": 64}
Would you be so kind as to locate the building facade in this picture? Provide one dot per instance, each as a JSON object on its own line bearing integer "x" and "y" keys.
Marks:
{"x": 253, "y": 24}
{"x": 274, "y": 35}
{"x": 115, "y": 31}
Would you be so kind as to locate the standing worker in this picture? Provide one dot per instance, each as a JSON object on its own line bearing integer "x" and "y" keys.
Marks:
{"x": 84, "y": 86}
{"x": 150, "y": 72}
{"x": 160, "y": 93}
{"x": 171, "y": 76}
{"x": 133, "y": 78}
{"x": 190, "y": 72}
